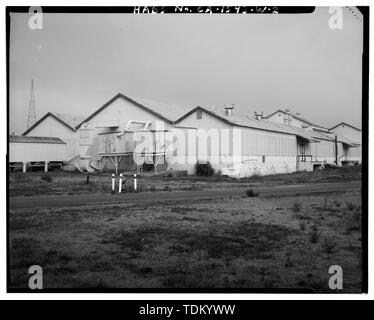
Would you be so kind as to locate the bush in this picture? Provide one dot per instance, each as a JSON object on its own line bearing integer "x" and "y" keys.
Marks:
{"x": 296, "y": 207}
{"x": 204, "y": 169}
{"x": 302, "y": 226}
{"x": 251, "y": 193}
{"x": 148, "y": 167}
{"x": 46, "y": 177}
{"x": 350, "y": 205}
{"x": 328, "y": 245}
{"x": 314, "y": 235}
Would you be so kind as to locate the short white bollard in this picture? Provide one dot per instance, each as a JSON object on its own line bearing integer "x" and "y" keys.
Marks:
{"x": 120, "y": 183}
{"x": 135, "y": 183}
{"x": 113, "y": 182}
{"x": 24, "y": 167}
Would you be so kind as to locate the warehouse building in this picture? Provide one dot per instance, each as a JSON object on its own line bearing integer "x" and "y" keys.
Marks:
{"x": 339, "y": 145}
{"x": 108, "y": 137}
{"x": 127, "y": 133}
{"x": 351, "y": 137}
{"x": 295, "y": 119}
{"x": 28, "y": 152}
{"x": 265, "y": 147}
{"x": 57, "y": 125}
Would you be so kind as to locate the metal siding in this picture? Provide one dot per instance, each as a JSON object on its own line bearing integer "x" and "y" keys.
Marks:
{"x": 29, "y": 152}
{"x": 258, "y": 143}
{"x": 50, "y": 127}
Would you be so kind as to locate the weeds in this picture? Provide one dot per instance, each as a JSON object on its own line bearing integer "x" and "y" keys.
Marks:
{"x": 302, "y": 226}
{"x": 314, "y": 235}
{"x": 350, "y": 206}
{"x": 328, "y": 245}
{"x": 325, "y": 202}
{"x": 204, "y": 169}
{"x": 251, "y": 193}
{"x": 337, "y": 203}
{"x": 296, "y": 207}
{"x": 354, "y": 224}
{"x": 21, "y": 177}
{"x": 46, "y": 177}
{"x": 289, "y": 262}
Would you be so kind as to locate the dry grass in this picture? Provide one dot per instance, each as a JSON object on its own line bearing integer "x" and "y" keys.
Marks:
{"x": 58, "y": 182}
{"x": 238, "y": 243}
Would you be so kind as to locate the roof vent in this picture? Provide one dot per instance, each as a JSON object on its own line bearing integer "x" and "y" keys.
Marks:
{"x": 229, "y": 108}
{"x": 259, "y": 115}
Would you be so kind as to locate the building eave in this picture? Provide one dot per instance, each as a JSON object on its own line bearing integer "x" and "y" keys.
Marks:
{"x": 45, "y": 117}
{"x": 117, "y": 96}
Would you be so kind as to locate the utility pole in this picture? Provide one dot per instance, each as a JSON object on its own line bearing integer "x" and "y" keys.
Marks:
{"x": 32, "y": 115}
{"x": 336, "y": 150}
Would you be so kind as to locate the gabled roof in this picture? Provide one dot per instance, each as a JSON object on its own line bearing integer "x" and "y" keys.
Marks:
{"x": 246, "y": 121}
{"x": 68, "y": 120}
{"x": 346, "y": 124}
{"x": 30, "y": 139}
{"x": 302, "y": 119}
{"x": 348, "y": 141}
{"x": 167, "y": 112}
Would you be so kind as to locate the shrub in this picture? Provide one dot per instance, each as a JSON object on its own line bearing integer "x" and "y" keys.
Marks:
{"x": 148, "y": 167}
{"x": 337, "y": 203}
{"x": 296, "y": 207}
{"x": 46, "y": 177}
{"x": 302, "y": 226}
{"x": 328, "y": 245}
{"x": 289, "y": 262}
{"x": 350, "y": 205}
{"x": 251, "y": 193}
{"x": 204, "y": 169}
{"x": 314, "y": 235}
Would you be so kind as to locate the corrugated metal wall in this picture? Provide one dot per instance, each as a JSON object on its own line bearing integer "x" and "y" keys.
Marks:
{"x": 258, "y": 142}
{"x": 30, "y": 152}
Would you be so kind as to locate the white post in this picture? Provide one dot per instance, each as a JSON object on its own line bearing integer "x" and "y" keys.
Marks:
{"x": 120, "y": 183}
{"x": 135, "y": 184}
{"x": 46, "y": 166}
{"x": 24, "y": 167}
{"x": 113, "y": 182}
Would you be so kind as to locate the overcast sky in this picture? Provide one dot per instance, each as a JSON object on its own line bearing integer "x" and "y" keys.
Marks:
{"x": 257, "y": 62}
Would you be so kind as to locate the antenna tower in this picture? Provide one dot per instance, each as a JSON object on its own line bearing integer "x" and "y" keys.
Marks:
{"x": 32, "y": 116}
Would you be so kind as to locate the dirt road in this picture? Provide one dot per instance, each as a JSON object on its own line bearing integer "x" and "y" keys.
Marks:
{"x": 90, "y": 199}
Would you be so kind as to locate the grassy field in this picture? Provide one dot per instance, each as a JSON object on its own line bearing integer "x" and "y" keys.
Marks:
{"x": 243, "y": 242}
{"x": 58, "y": 182}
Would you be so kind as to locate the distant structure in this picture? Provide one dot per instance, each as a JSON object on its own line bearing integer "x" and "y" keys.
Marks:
{"x": 32, "y": 115}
